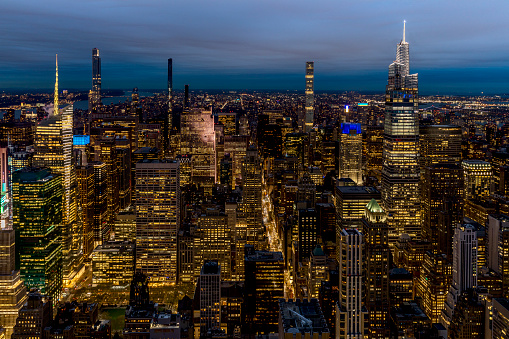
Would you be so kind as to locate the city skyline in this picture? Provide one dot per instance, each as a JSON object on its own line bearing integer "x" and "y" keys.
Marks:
{"x": 255, "y": 46}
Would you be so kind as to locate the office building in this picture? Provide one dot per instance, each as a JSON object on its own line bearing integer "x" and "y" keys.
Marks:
{"x": 113, "y": 263}
{"x": 264, "y": 286}
{"x": 13, "y": 292}
{"x": 468, "y": 320}
{"x": 373, "y": 150}
{"x": 350, "y": 204}
{"x": 439, "y": 144}
{"x": 170, "y": 100}
{"x": 442, "y": 191}
{"x": 464, "y": 268}
{"x": 251, "y": 196}
{"x": 210, "y": 296}
{"x": 37, "y": 218}
{"x": 317, "y": 271}
{"x": 478, "y": 176}
{"x": 433, "y": 283}
{"x": 310, "y": 96}
{"x": 308, "y": 231}
{"x": 86, "y": 199}
{"x": 500, "y": 324}
{"x": 351, "y": 313}
{"x": 54, "y": 149}
{"x": 34, "y": 317}
{"x": 94, "y": 99}
{"x": 350, "y": 152}
{"x": 125, "y": 225}
{"x": 377, "y": 253}
{"x": 400, "y": 171}
{"x": 401, "y": 286}
{"x": 198, "y": 141}
{"x": 302, "y": 319}
{"x": 157, "y": 219}
{"x": 498, "y": 248}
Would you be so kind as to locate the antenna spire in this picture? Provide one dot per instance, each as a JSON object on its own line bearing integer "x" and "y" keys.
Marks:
{"x": 404, "y": 28}
{"x": 55, "y": 102}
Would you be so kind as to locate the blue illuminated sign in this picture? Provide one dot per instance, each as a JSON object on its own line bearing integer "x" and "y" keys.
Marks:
{"x": 80, "y": 140}
{"x": 349, "y": 127}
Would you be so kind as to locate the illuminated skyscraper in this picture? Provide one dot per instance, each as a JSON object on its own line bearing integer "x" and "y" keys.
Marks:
{"x": 464, "y": 268}
{"x": 351, "y": 314}
{"x": 170, "y": 94}
{"x": 37, "y": 212}
{"x": 198, "y": 140}
{"x": 210, "y": 297}
{"x": 157, "y": 219}
{"x": 12, "y": 290}
{"x": 310, "y": 96}
{"x": 264, "y": 286}
{"x": 478, "y": 177}
{"x": 376, "y": 235}
{"x": 251, "y": 196}
{"x": 94, "y": 100}
{"x": 53, "y": 149}
{"x": 350, "y": 152}
{"x": 400, "y": 171}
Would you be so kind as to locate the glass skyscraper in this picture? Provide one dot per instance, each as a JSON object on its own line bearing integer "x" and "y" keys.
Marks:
{"x": 400, "y": 169}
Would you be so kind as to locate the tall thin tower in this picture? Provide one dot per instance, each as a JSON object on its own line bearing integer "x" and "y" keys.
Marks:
{"x": 310, "y": 96}
{"x": 95, "y": 94}
{"x": 53, "y": 146}
{"x": 400, "y": 168}
{"x": 55, "y": 95}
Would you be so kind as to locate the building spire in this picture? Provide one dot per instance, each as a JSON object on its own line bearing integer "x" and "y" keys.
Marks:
{"x": 404, "y": 28}
{"x": 55, "y": 102}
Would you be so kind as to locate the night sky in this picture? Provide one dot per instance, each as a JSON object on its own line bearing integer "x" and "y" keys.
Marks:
{"x": 457, "y": 47}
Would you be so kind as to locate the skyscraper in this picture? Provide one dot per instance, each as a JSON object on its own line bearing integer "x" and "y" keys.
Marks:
{"x": 157, "y": 219}
{"x": 351, "y": 314}
{"x": 12, "y": 290}
{"x": 94, "y": 100}
{"x": 310, "y": 96}
{"x": 170, "y": 94}
{"x": 251, "y": 197}
{"x": 376, "y": 235}
{"x": 350, "y": 152}
{"x": 53, "y": 150}
{"x": 464, "y": 268}
{"x": 400, "y": 169}
{"x": 210, "y": 297}
{"x": 478, "y": 177}
{"x": 37, "y": 211}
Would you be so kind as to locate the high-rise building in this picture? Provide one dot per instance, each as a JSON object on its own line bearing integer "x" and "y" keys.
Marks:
{"x": 500, "y": 318}
{"x": 170, "y": 95}
{"x": 350, "y": 204}
{"x": 439, "y": 143}
{"x": 498, "y": 248}
{"x": 373, "y": 150}
{"x": 251, "y": 196}
{"x": 113, "y": 263}
{"x": 264, "y": 286}
{"x": 400, "y": 171}
{"x": 94, "y": 100}
{"x": 468, "y": 321}
{"x": 376, "y": 237}
{"x": 157, "y": 219}
{"x": 433, "y": 283}
{"x": 54, "y": 150}
{"x": 464, "y": 268}
{"x": 34, "y": 317}
{"x": 351, "y": 314}
{"x": 198, "y": 140}
{"x": 12, "y": 290}
{"x": 442, "y": 191}
{"x": 37, "y": 217}
{"x": 86, "y": 199}
{"x": 478, "y": 177}
{"x": 310, "y": 96}
{"x": 350, "y": 152}
{"x": 210, "y": 296}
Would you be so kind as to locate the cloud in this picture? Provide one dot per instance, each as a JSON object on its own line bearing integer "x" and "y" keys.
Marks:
{"x": 238, "y": 38}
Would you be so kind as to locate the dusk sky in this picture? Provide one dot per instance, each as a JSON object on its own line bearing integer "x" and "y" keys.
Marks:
{"x": 457, "y": 47}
